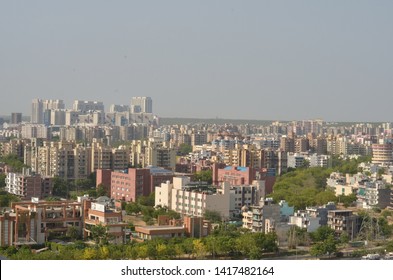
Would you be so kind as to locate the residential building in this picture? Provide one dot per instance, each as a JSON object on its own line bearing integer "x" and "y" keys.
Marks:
{"x": 382, "y": 153}
{"x": 156, "y": 154}
{"x": 263, "y": 217}
{"x": 344, "y": 221}
{"x": 27, "y": 184}
{"x": 141, "y": 105}
{"x": 193, "y": 198}
{"x": 41, "y": 110}
{"x": 16, "y": 118}
{"x": 304, "y": 220}
{"x": 29, "y": 131}
{"x": 131, "y": 183}
{"x": 101, "y": 212}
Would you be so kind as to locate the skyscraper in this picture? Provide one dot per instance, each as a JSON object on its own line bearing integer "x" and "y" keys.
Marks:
{"x": 40, "y": 110}
{"x": 16, "y": 118}
{"x": 141, "y": 105}
{"x": 37, "y": 111}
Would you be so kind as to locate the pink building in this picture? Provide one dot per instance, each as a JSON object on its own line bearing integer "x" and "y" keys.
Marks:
{"x": 133, "y": 182}
{"x": 237, "y": 175}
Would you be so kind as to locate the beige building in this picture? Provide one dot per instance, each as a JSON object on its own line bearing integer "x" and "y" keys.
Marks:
{"x": 192, "y": 198}
{"x": 158, "y": 154}
{"x": 100, "y": 212}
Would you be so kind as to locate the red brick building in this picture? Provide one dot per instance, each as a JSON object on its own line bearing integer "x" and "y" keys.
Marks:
{"x": 133, "y": 182}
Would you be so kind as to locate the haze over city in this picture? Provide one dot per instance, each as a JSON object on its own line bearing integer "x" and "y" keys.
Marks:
{"x": 273, "y": 60}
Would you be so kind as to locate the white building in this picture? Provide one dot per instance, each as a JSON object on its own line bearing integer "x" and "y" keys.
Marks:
{"x": 304, "y": 220}
{"x": 86, "y": 106}
{"x": 141, "y": 105}
{"x": 193, "y": 198}
{"x": 295, "y": 160}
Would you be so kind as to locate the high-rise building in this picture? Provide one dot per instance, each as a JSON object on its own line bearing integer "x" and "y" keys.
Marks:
{"x": 119, "y": 108}
{"x": 28, "y": 185}
{"x": 37, "y": 111}
{"x": 86, "y": 106}
{"x": 41, "y": 110}
{"x": 382, "y": 153}
{"x": 141, "y": 105}
{"x": 16, "y": 118}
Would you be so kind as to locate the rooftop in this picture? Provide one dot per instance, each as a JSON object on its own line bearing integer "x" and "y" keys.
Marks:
{"x": 238, "y": 168}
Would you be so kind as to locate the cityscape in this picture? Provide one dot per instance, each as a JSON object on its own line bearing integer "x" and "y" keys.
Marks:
{"x": 87, "y": 182}
{"x": 196, "y": 138}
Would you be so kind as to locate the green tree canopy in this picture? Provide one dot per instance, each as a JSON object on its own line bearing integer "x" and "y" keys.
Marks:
{"x": 212, "y": 216}
{"x": 204, "y": 175}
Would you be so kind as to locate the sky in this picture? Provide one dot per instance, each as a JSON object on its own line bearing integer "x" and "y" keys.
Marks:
{"x": 264, "y": 60}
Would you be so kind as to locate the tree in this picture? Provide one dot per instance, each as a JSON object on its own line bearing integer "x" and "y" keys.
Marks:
{"x": 73, "y": 233}
{"x": 204, "y": 176}
{"x": 185, "y": 149}
{"x": 147, "y": 200}
{"x": 100, "y": 234}
{"x": 213, "y": 216}
{"x": 200, "y": 249}
{"x": 60, "y": 187}
{"x": 7, "y": 198}
{"x": 325, "y": 247}
{"x": 344, "y": 237}
{"x": 2, "y": 181}
{"x": 14, "y": 162}
{"x": 84, "y": 184}
{"x": 133, "y": 208}
{"x": 322, "y": 233}
{"x": 347, "y": 200}
{"x": 324, "y": 197}
{"x": 101, "y": 190}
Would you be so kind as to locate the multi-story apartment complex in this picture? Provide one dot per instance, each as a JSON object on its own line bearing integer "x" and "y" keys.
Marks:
{"x": 131, "y": 183}
{"x": 16, "y": 118}
{"x": 262, "y": 217}
{"x": 74, "y": 161}
{"x": 382, "y": 153}
{"x": 100, "y": 212}
{"x": 344, "y": 221}
{"x": 156, "y": 154}
{"x": 193, "y": 198}
{"x": 29, "y": 131}
{"x": 86, "y": 106}
{"x": 141, "y": 105}
{"x": 27, "y": 185}
{"x": 41, "y": 110}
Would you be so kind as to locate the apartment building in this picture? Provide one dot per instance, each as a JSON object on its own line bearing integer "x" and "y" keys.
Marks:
{"x": 102, "y": 212}
{"x": 193, "y": 198}
{"x": 262, "y": 217}
{"x": 304, "y": 220}
{"x": 156, "y": 154}
{"x": 40, "y": 110}
{"x": 27, "y": 184}
{"x": 344, "y": 221}
{"x": 131, "y": 183}
{"x": 382, "y": 153}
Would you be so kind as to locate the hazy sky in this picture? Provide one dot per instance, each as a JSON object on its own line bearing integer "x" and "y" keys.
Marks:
{"x": 274, "y": 60}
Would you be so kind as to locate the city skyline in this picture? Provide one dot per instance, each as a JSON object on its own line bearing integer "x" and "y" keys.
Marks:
{"x": 260, "y": 60}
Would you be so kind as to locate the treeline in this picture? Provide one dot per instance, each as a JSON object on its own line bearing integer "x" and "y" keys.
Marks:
{"x": 224, "y": 242}
{"x": 14, "y": 162}
{"x": 144, "y": 206}
{"x": 307, "y": 186}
